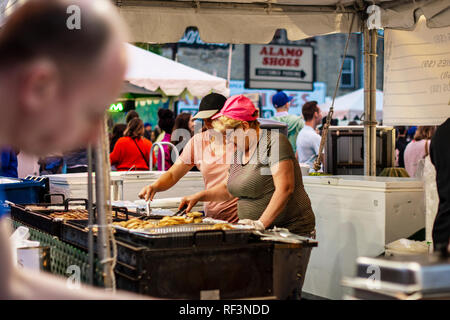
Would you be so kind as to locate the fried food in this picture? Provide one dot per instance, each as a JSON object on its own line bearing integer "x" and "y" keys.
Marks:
{"x": 137, "y": 223}
{"x": 71, "y": 214}
{"x": 222, "y": 226}
{"x": 198, "y": 220}
{"x": 194, "y": 214}
{"x": 79, "y": 214}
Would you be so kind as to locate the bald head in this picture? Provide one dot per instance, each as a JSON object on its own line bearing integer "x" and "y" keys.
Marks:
{"x": 64, "y": 62}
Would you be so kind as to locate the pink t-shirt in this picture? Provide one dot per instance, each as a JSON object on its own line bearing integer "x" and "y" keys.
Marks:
{"x": 414, "y": 152}
{"x": 214, "y": 163}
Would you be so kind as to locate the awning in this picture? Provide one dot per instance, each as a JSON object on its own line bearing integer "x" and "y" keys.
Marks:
{"x": 352, "y": 104}
{"x": 255, "y": 21}
{"x": 156, "y": 73}
{"x": 129, "y": 88}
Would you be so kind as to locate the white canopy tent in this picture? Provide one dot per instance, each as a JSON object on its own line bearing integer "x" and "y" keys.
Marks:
{"x": 255, "y": 21}
{"x": 352, "y": 104}
{"x": 156, "y": 73}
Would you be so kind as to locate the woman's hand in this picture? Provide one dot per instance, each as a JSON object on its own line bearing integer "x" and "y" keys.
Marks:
{"x": 190, "y": 201}
{"x": 147, "y": 193}
{"x": 257, "y": 224}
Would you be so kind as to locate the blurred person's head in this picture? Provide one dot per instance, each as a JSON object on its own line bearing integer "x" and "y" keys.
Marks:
{"x": 147, "y": 127}
{"x": 166, "y": 120}
{"x": 57, "y": 78}
{"x": 281, "y": 101}
{"x": 209, "y": 106}
{"x": 153, "y": 136}
{"x": 401, "y": 131}
{"x": 132, "y": 114}
{"x": 311, "y": 113}
{"x": 135, "y": 128}
{"x": 184, "y": 121}
{"x": 118, "y": 130}
{"x": 117, "y": 133}
{"x": 183, "y": 130}
{"x": 237, "y": 117}
{"x": 424, "y": 133}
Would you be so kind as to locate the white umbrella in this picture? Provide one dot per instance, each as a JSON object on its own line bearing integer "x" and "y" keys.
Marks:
{"x": 153, "y": 72}
{"x": 352, "y": 104}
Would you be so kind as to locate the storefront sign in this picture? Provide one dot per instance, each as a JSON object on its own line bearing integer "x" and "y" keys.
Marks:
{"x": 191, "y": 37}
{"x": 116, "y": 107}
{"x": 279, "y": 67}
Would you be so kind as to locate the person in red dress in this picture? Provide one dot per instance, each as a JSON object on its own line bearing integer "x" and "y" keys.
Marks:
{"x": 132, "y": 151}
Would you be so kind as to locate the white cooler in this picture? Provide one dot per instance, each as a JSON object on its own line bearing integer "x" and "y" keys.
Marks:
{"x": 357, "y": 216}
{"x": 124, "y": 185}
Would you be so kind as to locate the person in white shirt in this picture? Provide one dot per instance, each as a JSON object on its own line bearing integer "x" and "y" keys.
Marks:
{"x": 281, "y": 102}
{"x": 308, "y": 141}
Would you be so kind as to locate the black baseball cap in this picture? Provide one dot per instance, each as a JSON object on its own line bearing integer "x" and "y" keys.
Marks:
{"x": 210, "y": 105}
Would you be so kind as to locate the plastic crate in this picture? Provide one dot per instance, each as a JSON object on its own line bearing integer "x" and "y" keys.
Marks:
{"x": 24, "y": 191}
{"x": 63, "y": 255}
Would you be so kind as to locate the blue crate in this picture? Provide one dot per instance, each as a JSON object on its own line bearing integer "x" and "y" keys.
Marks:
{"x": 26, "y": 191}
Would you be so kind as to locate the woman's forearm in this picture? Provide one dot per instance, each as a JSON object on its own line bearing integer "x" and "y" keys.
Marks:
{"x": 164, "y": 182}
{"x": 171, "y": 177}
{"x": 217, "y": 193}
{"x": 276, "y": 205}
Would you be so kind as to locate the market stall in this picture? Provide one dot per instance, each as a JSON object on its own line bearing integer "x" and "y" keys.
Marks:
{"x": 224, "y": 21}
{"x": 219, "y": 260}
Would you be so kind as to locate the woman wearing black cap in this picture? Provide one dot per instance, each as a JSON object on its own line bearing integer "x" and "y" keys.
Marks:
{"x": 201, "y": 151}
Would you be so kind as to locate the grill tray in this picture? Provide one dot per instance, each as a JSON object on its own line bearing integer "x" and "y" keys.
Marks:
{"x": 40, "y": 218}
{"x": 178, "y": 236}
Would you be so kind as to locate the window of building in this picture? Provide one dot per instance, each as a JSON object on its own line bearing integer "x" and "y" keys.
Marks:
{"x": 348, "y": 73}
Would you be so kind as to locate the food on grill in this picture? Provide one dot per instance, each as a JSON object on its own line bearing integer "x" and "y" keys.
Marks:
{"x": 194, "y": 214}
{"x": 222, "y": 226}
{"x": 137, "y": 223}
{"x": 170, "y": 221}
{"x": 71, "y": 214}
{"x": 79, "y": 214}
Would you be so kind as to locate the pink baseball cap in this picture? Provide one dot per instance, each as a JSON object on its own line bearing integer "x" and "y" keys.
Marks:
{"x": 238, "y": 107}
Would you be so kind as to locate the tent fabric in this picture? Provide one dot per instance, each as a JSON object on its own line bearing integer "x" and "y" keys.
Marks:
{"x": 154, "y": 72}
{"x": 352, "y": 104}
{"x": 255, "y": 21}
{"x": 132, "y": 89}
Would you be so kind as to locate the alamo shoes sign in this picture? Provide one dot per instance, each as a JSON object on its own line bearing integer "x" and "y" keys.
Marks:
{"x": 279, "y": 67}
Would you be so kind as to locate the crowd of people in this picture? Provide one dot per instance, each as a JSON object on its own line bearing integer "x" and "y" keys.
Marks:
{"x": 412, "y": 147}
{"x": 131, "y": 143}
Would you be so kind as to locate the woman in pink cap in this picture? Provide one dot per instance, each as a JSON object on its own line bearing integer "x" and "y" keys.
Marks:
{"x": 264, "y": 175}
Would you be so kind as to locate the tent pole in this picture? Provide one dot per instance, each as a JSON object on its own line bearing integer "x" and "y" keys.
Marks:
{"x": 373, "y": 102}
{"x": 102, "y": 188}
{"x": 91, "y": 217}
{"x": 370, "y": 56}
{"x": 230, "y": 55}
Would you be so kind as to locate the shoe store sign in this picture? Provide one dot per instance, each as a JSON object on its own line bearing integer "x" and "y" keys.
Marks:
{"x": 279, "y": 67}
